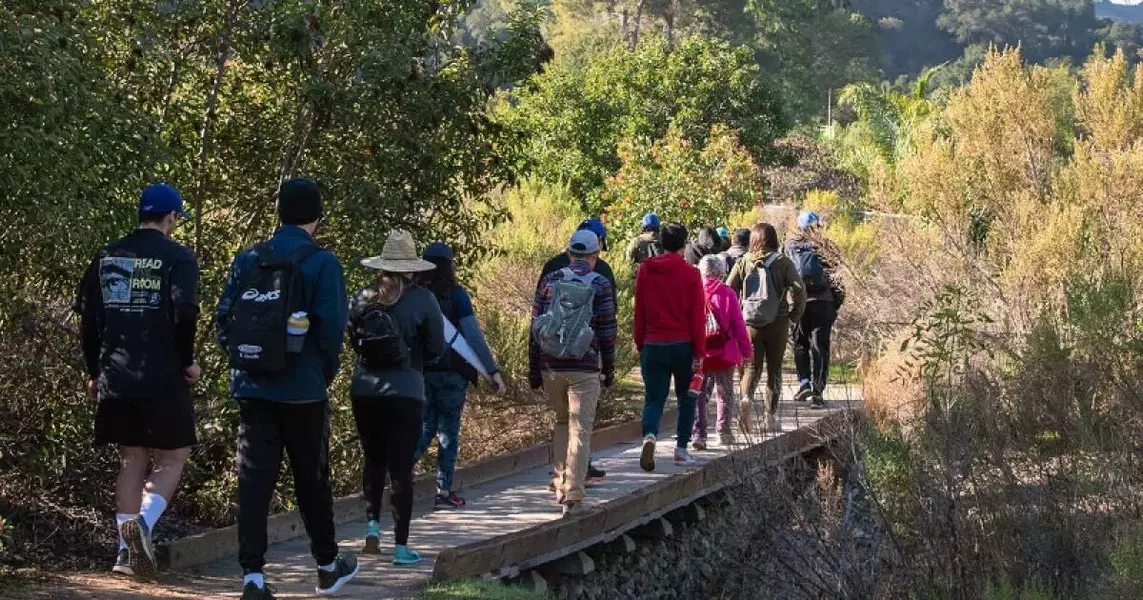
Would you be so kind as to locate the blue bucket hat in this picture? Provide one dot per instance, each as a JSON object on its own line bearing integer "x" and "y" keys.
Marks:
{"x": 723, "y": 233}
{"x": 595, "y": 226}
{"x": 650, "y": 220}
{"x": 808, "y": 219}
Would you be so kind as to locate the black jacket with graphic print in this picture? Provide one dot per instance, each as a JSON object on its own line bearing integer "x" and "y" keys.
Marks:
{"x": 138, "y": 302}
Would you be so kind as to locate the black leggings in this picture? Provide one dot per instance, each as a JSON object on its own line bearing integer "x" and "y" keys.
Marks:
{"x": 389, "y": 430}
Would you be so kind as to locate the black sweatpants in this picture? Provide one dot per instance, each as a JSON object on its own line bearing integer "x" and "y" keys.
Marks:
{"x": 265, "y": 429}
{"x": 811, "y": 343}
{"x": 390, "y": 429}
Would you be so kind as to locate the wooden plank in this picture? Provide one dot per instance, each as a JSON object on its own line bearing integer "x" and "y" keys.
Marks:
{"x": 607, "y": 521}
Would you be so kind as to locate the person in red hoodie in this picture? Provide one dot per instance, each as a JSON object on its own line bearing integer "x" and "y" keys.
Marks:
{"x": 670, "y": 333}
{"x": 727, "y": 346}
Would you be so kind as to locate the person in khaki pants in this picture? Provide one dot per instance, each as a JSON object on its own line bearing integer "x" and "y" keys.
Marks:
{"x": 571, "y": 354}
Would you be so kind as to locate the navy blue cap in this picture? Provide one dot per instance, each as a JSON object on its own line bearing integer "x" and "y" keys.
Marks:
{"x": 438, "y": 250}
{"x": 161, "y": 198}
{"x": 595, "y": 226}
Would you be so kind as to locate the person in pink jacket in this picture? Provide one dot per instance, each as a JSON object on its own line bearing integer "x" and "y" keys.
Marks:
{"x": 727, "y": 347}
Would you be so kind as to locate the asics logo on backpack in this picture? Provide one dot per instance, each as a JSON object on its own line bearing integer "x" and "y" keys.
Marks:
{"x": 256, "y": 296}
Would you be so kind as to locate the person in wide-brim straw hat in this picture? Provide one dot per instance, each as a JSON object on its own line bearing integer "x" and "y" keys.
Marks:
{"x": 398, "y": 255}
{"x": 396, "y": 328}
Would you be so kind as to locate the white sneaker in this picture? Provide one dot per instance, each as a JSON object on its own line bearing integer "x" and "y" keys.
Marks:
{"x": 683, "y": 458}
{"x": 647, "y": 458}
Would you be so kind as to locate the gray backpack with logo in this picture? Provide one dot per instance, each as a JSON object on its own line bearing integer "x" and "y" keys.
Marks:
{"x": 760, "y": 299}
{"x": 564, "y": 331}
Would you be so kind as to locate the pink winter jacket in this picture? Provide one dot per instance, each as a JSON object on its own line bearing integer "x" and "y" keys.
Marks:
{"x": 724, "y": 304}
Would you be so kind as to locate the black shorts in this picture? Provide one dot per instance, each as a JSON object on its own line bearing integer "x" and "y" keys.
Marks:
{"x": 162, "y": 424}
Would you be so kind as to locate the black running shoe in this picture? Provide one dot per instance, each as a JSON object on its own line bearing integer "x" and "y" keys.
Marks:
{"x": 805, "y": 392}
{"x": 594, "y": 473}
{"x": 345, "y": 569}
{"x": 817, "y": 403}
{"x": 140, "y": 550}
{"x": 253, "y": 592}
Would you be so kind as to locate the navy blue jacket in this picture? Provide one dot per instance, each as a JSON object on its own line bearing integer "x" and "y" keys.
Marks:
{"x": 311, "y": 374}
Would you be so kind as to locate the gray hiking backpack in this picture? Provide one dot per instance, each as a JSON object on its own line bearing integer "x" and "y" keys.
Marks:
{"x": 564, "y": 331}
{"x": 760, "y": 299}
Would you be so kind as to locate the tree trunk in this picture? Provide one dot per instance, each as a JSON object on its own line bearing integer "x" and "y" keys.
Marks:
{"x": 638, "y": 23}
{"x": 232, "y": 10}
{"x": 672, "y": 12}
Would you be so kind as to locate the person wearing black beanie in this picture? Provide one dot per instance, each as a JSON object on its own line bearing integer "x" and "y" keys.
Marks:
{"x": 299, "y": 202}
{"x": 290, "y": 285}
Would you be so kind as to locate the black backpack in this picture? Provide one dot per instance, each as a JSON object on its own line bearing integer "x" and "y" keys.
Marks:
{"x": 810, "y": 267}
{"x": 377, "y": 339}
{"x": 269, "y": 293}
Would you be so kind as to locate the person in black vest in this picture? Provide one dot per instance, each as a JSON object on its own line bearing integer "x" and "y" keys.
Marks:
{"x": 447, "y": 381}
{"x": 138, "y": 302}
{"x": 281, "y": 318}
{"x": 396, "y": 328}
{"x": 817, "y": 260}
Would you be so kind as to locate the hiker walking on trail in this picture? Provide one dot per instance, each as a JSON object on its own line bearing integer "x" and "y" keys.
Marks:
{"x": 281, "y": 319}
{"x": 772, "y": 296}
{"x": 646, "y": 244}
{"x": 670, "y": 333}
{"x": 724, "y": 238}
{"x": 727, "y": 346}
{"x": 817, "y": 260}
{"x": 560, "y": 262}
{"x": 708, "y": 243}
{"x": 396, "y": 328}
{"x": 447, "y": 380}
{"x": 738, "y": 248}
{"x": 570, "y": 355}
{"x": 138, "y": 302}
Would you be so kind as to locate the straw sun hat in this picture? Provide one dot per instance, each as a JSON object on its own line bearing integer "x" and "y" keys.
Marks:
{"x": 399, "y": 255}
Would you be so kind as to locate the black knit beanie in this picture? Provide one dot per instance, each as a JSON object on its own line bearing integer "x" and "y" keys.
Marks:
{"x": 299, "y": 202}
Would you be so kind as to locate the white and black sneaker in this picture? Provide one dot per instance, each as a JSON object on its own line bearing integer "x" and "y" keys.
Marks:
{"x": 140, "y": 550}
{"x": 122, "y": 566}
{"x": 345, "y": 569}
{"x": 805, "y": 392}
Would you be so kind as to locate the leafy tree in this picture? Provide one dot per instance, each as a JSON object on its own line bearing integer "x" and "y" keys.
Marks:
{"x": 681, "y": 182}
{"x": 1043, "y": 28}
{"x": 812, "y": 48}
{"x": 570, "y": 119}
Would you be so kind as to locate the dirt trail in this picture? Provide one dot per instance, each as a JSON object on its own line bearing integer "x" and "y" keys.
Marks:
{"x": 102, "y": 587}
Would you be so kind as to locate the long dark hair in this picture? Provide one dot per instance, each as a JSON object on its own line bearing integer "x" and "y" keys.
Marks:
{"x": 441, "y": 281}
{"x": 763, "y": 238}
{"x": 709, "y": 239}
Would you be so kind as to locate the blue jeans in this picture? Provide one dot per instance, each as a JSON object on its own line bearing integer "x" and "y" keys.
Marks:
{"x": 444, "y": 402}
{"x": 661, "y": 365}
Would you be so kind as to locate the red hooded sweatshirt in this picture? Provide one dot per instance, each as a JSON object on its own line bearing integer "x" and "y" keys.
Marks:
{"x": 670, "y": 304}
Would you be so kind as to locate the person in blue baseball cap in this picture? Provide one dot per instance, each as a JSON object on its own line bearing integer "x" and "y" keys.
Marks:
{"x": 646, "y": 244}
{"x": 595, "y": 226}
{"x": 808, "y": 219}
{"x": 138, "y": 306}
{"x": 818, "y": 261}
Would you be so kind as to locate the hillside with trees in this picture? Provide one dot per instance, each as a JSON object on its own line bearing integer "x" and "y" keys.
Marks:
{"x": 978, "y": 162}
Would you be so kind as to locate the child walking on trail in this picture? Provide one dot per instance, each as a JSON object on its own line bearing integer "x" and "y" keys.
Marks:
{"x": 727, "y": 346}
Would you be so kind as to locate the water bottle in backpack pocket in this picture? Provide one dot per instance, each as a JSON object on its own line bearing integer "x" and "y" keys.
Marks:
{"x": 564, "y": 330}
{"x": 761, "y": 299}
{"x": 259, "y": 318}
{"x": 809, "y": 264}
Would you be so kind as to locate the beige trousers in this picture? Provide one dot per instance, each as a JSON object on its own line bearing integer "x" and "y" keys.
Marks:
{"x": 573, "y": 395}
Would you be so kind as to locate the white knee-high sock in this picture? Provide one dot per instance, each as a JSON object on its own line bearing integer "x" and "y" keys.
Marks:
{"x": 152, "y": 509}
{"x": 120, "y": 519}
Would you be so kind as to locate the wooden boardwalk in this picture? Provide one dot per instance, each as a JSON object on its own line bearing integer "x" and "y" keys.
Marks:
{"x": 518, "y": 503}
